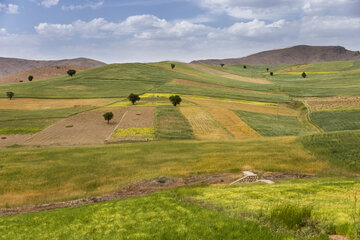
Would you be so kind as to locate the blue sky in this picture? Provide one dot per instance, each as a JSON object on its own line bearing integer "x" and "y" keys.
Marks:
{"x": 184, "y": 30}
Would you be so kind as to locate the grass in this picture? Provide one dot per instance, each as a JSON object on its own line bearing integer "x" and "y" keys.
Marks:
{"x": 340, "y": 148}
{"x": 253, "y": 71}
{"x": 331, "y": 66}
{"x": 135, "y": 132}
{"x": 135, "y": 219}
{"x": 272, "y": 125}
{"x": 337, "y": 120}
{"x": 37, "y": 175}
{"x": 170, "y": 123}
{"x": 24, "y": 126}
{"x": 324, "y": 204}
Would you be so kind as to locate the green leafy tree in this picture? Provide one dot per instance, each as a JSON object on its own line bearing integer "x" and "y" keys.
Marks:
{"x": 30, "y": 78}
{"x": 303, "y": 75}
{"x": 108, "y": 116}
{"x": 71, "y": 72}
{"x": 271, "y": 74}
{"x": 172, "y": 66}
{"x": 267, "y": 69}
{"x": 175, "y": 99}
{"x": 245, "y": 66}
{"x": 10, "y": 95}
{"x": 133, "y": 98}
{"x": 222, "y": 65}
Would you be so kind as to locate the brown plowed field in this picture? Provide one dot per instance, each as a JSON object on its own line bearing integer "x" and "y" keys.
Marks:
{"x": 43, "y": 104}
{"x": 228, "y": 75}
{"x": 135, "y": 117}
{"x": 82, "y": 129}
{"x": 327, "y": 103}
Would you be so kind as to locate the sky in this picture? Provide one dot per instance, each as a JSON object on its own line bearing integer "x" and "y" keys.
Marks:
{"x": 182, "y": 30}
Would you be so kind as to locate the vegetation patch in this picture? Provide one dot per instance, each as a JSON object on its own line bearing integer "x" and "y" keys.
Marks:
{"x": 135, "y": 132}
{"x": 271, "y": 124}
{"x": 8, "y": 131}
{"x": 170, "y": 123}
{"x": 337, "y": 120}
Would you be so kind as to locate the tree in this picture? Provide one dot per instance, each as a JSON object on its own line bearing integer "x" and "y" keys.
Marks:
{"x": 172, "y": 66}
{"x": 175, "y": 99}
{"x": 10, "y": 95}
{"x": 30, "y": 78}
{"x": 271, "y": 74}
{"x": 303, "y": 75}
{"x": 71, "y": 72}
{"x": 222, "y": 65}
{"x": 108, "y": 116}
{"x": 133, "y": 98}
{"x": 267, "y": 69}
{"x": 244, "y": 66}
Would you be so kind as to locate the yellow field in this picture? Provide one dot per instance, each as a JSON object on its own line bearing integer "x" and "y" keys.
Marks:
{"x": 43, "y": 104}
{"x": 135, "y": 132}
{"x": 203, "y": 124}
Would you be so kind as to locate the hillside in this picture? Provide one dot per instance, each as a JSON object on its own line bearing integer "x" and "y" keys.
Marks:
{"x": 294, "y": 55}
{"x": 40, "y": 73}
{"x": 14, "y": 65}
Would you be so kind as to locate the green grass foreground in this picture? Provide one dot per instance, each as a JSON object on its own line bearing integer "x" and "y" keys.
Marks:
{"x": 38, "y": 175}
{"x": 158, "y": 216}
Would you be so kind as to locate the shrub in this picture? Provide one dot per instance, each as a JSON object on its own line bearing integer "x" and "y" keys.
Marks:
{"x": 172, "y": 66}
{"x": 10, "y": 95}
{"x": 71, "y": 72}
{"x": 303, "y": 75}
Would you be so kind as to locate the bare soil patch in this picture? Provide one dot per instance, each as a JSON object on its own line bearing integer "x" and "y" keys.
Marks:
{"x": 328, "y": 103}
{"x": 81, "y": 129}
{"x": 43, "y": 104}
{"x": 229, "y": 75}
{"x": 40, "y": 73}
{"x": 149, "y": 186}
{"x": 192, "y": 83}
{"x": 292, "y": 68}
{"x": 8, "y": 140}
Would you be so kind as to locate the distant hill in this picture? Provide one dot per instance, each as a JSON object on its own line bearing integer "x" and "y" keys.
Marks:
{"x": 293, "y": 55}
{"x": 15, "y": 65}
{"x": 40, "y": 73}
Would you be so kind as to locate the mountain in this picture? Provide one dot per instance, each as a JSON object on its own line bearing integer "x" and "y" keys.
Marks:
{"x": 294, "y": 55}
{"x": 15, "y": 65}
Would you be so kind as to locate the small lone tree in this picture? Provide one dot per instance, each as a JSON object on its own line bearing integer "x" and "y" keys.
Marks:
{"x": 10, "y": 95}
{"x": 303, "y": 75}
{"x": 71, "y": 72}
{"x": 108, "y": 116}
{"x": 245, "y": 66}
{"x": 30, "y": 78}
{"x": 222, "y": 65}
{"x": 175, "y": 99}
{"x": 271, "y": 74}
{"x": 133, "y": 98}
{"x": 172, "y": 66}
{"x": 267, "y": 69}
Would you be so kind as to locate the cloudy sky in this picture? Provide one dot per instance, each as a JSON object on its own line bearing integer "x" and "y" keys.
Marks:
{"x": 185, "y": 30}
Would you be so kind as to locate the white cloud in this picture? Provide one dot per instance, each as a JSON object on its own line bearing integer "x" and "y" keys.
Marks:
{"x": 10, "y": 8}
{"x": 49, "y": 3}
{"x": 92, "y": 5}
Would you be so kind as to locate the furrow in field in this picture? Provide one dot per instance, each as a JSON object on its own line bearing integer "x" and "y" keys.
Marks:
{"x": 204, "y": 126}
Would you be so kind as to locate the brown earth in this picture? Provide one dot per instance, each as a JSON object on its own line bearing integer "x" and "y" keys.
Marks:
{"x": 81, "y": 129}
{"x": 193, "y": 83}
{"x": 40, "y": 73}
{"x": 8, "y": 140}
{"x": 328, "y": 103}
{"x": 228, "y": 75}
{"x": 14, "y": 65}
{"x": 149, "y": 186}
{"x": 300, "y": 54}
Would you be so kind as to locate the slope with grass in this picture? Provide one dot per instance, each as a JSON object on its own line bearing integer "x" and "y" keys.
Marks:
{"x": 337, "y": 120}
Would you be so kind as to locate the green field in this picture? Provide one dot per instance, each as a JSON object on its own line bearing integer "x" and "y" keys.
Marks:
{"x": 337, "y": 120}
{"x": 272, "y": 125}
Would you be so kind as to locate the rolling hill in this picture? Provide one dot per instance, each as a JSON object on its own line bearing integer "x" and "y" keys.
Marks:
{"x": 294, "y": 55}
{"x": 14, "y": 65}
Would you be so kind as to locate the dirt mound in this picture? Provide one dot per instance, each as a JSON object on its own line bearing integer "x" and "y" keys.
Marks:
{"x": 14, "y": 65}
{"x": 149, "y": 186}
{"x": 40, "y": 73}
{"x": 294, "y": 55}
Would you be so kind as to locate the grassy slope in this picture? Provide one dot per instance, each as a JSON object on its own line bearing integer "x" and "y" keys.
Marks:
{"x": 340, "y": 148}
{"x": 159, "y": 216}
{"x": 170, "y": 123}
{"x": 255, "y": 71}
{"x": 331, "y": 66}
{"x": 337, "y": 120}
{"x": 332, "y": 200}
{"x": 272, "y": 125}
{"x": 36, "y": 175}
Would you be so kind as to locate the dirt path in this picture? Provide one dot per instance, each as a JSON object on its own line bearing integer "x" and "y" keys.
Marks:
{"x": 228, "y": 75}
{"x": 81, "y": 129}
{"x": 149, "y": 186}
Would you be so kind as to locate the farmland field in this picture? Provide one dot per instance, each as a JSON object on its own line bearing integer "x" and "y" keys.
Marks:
{"x": 337, "y": 120}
